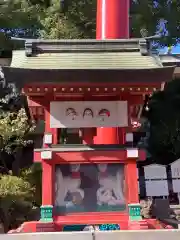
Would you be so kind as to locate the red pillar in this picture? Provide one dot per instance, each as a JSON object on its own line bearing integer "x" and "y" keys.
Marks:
{"x": 131, "y": 182}
{"x": 112, "y": 23}
{"x": 48, "y": 170}
{"x": 122, "y": 134}
{"x": 87, "y": 135}
{"x": 108, "y": 135}
{"x": 48, "y": 179}
{"x": 112, "y": 19}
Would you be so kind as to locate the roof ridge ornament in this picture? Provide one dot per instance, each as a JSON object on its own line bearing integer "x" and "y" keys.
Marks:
{"x": 144, "y": 32}
{"x": 143, "y": 46}
{"x": 28, "y": 48}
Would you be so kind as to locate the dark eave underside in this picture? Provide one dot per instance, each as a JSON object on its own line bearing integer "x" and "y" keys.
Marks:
{"x": 26, "y": 76}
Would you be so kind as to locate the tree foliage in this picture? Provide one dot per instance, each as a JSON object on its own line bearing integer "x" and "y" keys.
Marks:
{"x": 163, "y": 116}
{"x": 33, "y": 175}
{"x": 19, "y": 17}
{"x": 147, "y": 17}
{"x": 83, "y": 14}
{"x": 77, "y": 18}
{"x": 15, "y": 125}
{"x": 16, "y": 188}
{"x": 159, "y": 16}
{"x": 14, "y": 191}
{"x": 20, "y": 196}
{"x": 58, "y": 27}
{"x": 14, "y": 128}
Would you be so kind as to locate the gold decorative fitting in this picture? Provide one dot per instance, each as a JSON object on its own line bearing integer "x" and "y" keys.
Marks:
{"x": 80, "y": 89}
{"x": 46, "y": 89}
{"x": 30, "y": 89}
{"x": 54, "y": 89}
{"x": 97, "y": 89}
{"x": 71, "y": 89}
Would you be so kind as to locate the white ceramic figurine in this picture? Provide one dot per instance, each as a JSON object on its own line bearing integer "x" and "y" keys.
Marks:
{"x": 111, "y": 187}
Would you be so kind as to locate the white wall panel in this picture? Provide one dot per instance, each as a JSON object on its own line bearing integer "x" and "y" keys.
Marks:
{"x": 155, "y": 171}
{"x": 157, "y": 188}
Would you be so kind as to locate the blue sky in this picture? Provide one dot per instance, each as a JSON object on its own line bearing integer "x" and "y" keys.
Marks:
{"x": 175, "y": 49}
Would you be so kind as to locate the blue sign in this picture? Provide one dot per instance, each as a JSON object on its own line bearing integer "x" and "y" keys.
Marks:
{"x": 109, "y": 227}
{"x": 100, "y": 227}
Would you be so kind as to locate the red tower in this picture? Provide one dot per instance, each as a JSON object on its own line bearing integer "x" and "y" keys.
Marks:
{"x": 86, "y": 91}
{"x": 112, "y": 19}
{"x": 112, "y": 23}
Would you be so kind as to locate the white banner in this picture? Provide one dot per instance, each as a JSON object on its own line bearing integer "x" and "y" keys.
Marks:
{"x": 74, "y": 114}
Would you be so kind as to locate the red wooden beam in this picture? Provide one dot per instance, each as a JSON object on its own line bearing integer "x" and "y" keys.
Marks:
{"x": 88, "y": 156}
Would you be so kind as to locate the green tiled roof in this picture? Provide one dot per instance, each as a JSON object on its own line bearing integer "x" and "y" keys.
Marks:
{"x": 84, "y": 60}
{"x": 87, "y": 61}
{"x": 86, "y": 54}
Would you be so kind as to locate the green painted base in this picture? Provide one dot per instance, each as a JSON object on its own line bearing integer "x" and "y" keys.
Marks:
{"x": 135, "y": 212}
{"x": 46, "y": 213}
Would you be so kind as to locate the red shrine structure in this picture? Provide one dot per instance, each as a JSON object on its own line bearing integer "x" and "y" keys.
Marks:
{"x": 91, "y": 91}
